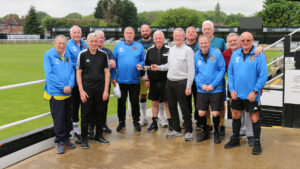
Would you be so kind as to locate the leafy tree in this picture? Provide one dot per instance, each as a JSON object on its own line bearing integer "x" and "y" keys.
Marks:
{"x": 91, "y": 16}
{"x": 41, "y": 15}
{"x": 217, "y": 18}
{"x": 280, "y": 13}
{"x": 127, "y": 14}
{"x": 74, "y": 15}
{"x": 148, "y": 17}
{"x": 104, "y": 10}
{"x": 180, "y": 17}
{"x": 32, "y": 23}
{"x": 233, "y": 20}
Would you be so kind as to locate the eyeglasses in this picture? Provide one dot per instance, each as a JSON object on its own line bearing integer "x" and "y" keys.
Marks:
{"x": 248, "y": 40}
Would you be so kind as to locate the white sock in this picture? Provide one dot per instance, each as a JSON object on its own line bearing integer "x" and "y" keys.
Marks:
{"x": 76, "y": 127}
{"x": 161, "y": 112}
{"x": 143, "y": 106}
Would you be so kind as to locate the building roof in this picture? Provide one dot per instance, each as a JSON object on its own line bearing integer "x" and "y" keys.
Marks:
{"x": 13, "y": 20}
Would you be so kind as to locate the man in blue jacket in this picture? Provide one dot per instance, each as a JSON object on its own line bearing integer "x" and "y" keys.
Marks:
{"x": 74, "y": 46}
{"x": 247, "y": 75}
{"x": 209, "y": 73}
{"x": 217, "y": 43}
{"x": 60, "y": 79}
{"x": 128, "y": 54}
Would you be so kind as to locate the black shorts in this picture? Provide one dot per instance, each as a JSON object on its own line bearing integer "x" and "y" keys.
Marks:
{"x": 157, "y": 91}
{"x": 214, "y": 100}
{"x": 245, "y": 105}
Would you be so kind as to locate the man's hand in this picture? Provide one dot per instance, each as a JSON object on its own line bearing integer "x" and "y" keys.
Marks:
{"x": 234, "y": 95}
{"x": 83, "y": 96}
{"x": 139, "y": 67}
{"x": 258, "y": 50}
{"x": 147, "y": 83}
{"x": 204, "y": 87}
{"x": 251, "y": 97}
{"x": 112, "y": 63}
{"x": 154, "y": 67}
{"x": 209, "y": 88}
{"x": 67, "y": 89}
{"x": 188, "y": 91}
{"x": 105, "y": 95}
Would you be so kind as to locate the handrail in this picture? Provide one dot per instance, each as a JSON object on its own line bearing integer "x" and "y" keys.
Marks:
{"x": 268, "y": 82}
{"x": 21, "y": 84}
{"x": 24, "y": 121}
{"x": 30, "y": 118}
{"x": 297, "y": 30}
{"x": 281, "y": 57}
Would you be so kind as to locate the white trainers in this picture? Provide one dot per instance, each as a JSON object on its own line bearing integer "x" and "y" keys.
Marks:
{"x": 188, "y": 136}
{"x": 164, "y": 123}
{"x": 162, "y": 120}
{"x": 174, "y": 133}
{"x": 143, "y": 122}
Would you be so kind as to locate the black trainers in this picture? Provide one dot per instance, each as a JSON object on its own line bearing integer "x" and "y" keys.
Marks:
{"x": 217, "y": 139}
{"x": 106, "y": 129}
{"x": 232, "y": 143}
{"x": 170, "y": 125}
{"x": 222, "y": 130}
{"x": 91, "y": 133}
{"x": 153, "y": 127}
{"x": 257, "y": 148}
{"x": 84, "y": 143}
{"x": 251, "y": 141}
{"x": 121, "y": 126}
{"x": 137, "y": 126}
{"x": 203, "y": 136}
{"x": 77, "y": 138}
{"x": 101, "y": 140}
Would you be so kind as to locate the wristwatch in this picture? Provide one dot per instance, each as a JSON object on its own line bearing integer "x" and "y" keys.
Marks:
{"x": 256, "y": 92}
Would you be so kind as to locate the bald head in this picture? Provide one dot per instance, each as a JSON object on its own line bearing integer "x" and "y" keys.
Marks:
{"x": 145, "y": 31}
{"x": 247, "y": 35}
{"x": 246, "y": 41}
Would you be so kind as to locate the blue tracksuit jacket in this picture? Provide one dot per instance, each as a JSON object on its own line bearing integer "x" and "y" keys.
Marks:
{"x": 58, "y": 74}
{"x": 210, "y": 72}
{"x": 246, "y": 76}
{"x": 127, "y": 57}
{"x": 74, "y": 50}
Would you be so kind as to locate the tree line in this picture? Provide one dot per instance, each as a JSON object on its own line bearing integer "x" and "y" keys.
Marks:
{"x": 122, "y": 13}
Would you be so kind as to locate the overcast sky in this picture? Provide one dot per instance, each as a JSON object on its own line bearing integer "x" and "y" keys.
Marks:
{"x": 60, "y": 8}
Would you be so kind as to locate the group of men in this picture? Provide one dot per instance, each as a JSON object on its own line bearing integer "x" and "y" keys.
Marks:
{"x": 193, "y": 66}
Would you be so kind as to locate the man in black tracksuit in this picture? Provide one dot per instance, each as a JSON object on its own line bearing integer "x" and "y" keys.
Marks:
{"x": 93, "y": 83}
{"x": 158, "y": 55}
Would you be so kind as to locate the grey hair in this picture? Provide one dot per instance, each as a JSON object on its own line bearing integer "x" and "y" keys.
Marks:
{"x": 232, "y": 34}
{"x": 60, "y": 36}
{"x": 191, "y": 27}
{"x": 208, "y": 22}
{"x": 75, "y": 26}
{"x": 204, "y": 36}
{"x": 180, "y": 30}
{"x": 128, "y": 28}
{"x": 92, "y": 35}
{"x": 158, "y": 32}
{"x": 99, "y": 33}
